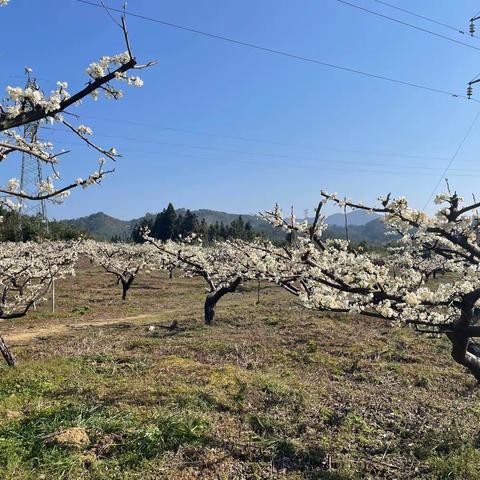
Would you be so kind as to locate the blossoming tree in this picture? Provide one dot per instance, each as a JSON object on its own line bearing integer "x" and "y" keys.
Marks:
{"x": 122, "y": 260}
{"x": 27, "y": 271}
{"x": 223, "y": 267}
{"x": 330, "y": 275}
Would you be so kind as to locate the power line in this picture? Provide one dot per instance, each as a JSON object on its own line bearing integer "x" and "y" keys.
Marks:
{"x": 313, "y": 147}
{"x": 232, "y": 137}
{"x": 196, "y": 132}
{"x": 264, "y": 154}
{"x": 454, "y": 156}
{"x": 406, "y": 24}
{"x": 329, "y": 65}
{"x": 285, "y": 54}
{"x": 273, "y": 142}
{"x": 428, "y": 19}
{"x": 325, "y": 165}
{"x": 247, "y": 139}
{"x": 325, "y": 169}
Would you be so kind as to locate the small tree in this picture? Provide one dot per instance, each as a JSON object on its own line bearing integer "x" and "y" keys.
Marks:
{"x": 27, "y": 271}
{"x": 122, "y": 260}
{"x": 221, "y": 265}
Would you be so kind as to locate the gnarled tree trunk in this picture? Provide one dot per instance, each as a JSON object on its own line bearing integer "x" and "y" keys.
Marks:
{"x": 213, "y": 298}
{"x": 464, "y": 350}
{"x": 7, "y": 355}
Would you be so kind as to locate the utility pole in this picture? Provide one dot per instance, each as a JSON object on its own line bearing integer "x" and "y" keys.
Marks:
{"x": 471, "y": 30}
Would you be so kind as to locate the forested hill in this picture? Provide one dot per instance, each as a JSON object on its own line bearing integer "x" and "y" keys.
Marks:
{"x": 103, "y": 226}
{"x": 362, "y": 227}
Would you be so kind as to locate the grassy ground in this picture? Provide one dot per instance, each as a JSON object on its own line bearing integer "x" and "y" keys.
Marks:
{"x": 270, "y": 391}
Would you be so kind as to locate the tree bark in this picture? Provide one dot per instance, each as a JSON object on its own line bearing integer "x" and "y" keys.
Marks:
{"x": 466, "y": 353}
{"x": 213, "y": 298}
{"x": 126, "y": 284}
{"x": 210, "y": 303}
{"x": 464, "y": 350}
{"x": 7, "y": 355}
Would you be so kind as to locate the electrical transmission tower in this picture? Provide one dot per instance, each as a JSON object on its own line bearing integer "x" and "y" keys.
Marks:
{"x": 31, "y": 175}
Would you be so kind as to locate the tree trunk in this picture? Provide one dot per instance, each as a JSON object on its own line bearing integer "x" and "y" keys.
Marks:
{"x": 214, "y": 297}
{"x": 7, "y": 355}
{"x": 466, "y": 352}
{"x": 126, "y": 284}
{"x": 209, "y": 308}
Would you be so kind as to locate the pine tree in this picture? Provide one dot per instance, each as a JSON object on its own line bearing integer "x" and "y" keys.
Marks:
{"x": 202, "y": 229}
{"x": 178, "y": 227}
{"x": 222, "y": 232}
{"x": 237, "y": 228}
{"x": 164, "y": 227}
{"x": 249, "y": 232}
{"x": 189, "y": 223}
{"x": 212, "y": 232}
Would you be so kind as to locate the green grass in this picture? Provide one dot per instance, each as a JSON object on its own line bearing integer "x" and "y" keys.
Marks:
{"x": 117, "y": 439}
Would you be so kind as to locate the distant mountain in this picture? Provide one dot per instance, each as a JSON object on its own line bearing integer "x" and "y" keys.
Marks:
{"x": 361, "y": 226}
{"x": 371, "y": 232}
{"x": 357, "y": 217}
{"x": 104, "y": 227}
{"x": 100, "y": 225}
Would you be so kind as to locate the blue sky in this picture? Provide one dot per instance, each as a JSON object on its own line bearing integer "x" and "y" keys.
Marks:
{"x": 225, "y": 127}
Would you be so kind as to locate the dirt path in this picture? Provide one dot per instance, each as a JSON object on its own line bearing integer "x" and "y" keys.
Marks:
{"x": 55, "y": 330}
